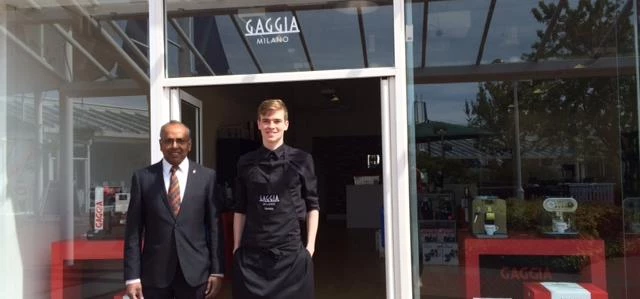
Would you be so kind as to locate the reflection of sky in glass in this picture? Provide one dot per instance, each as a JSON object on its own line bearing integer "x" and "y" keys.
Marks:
{"x": 455, "y": 30}
{"x": 333, "y": 38}
{"x": 378, "y": 30}
{"x": 238, "y": 57}
{"x": 513, "y": 31}
{"x": 453, "y": 34}
{"x": 415, "y": 17}
{"x": 172, "y": 52}
{"x": 445, "y": 102}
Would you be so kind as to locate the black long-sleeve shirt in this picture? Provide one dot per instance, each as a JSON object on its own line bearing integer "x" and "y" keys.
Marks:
{"x": 272, "y": 165}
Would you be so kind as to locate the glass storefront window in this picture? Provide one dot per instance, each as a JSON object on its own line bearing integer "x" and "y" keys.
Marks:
{"x": 216, "y": 39}
{"x": 76, "y": 119}
{"x": 452, "y": 28}
{"x": 526, "y": 151}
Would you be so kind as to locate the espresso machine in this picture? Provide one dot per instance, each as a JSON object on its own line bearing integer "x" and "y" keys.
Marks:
{"x": 489, "y": 217}
{"x": 561, "y": 222}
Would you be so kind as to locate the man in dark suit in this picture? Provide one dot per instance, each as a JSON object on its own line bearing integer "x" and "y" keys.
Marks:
{"x": 173, "y": 212}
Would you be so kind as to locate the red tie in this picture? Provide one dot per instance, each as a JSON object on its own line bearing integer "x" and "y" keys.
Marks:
{"x": 174, "y": 192}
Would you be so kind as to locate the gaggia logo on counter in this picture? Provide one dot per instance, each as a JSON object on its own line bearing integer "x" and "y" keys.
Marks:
{"x": 526, "y": 273}
{"x": 263, "y": 28}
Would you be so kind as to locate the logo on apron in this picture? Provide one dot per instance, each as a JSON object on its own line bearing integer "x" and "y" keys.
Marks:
{"x": 269, "y": 201}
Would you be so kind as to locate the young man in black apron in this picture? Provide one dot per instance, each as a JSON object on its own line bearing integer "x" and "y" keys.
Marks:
{"x": 276, "y": 192}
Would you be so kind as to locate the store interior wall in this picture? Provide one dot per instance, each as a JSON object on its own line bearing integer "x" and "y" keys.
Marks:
{"x": 311, "y": 112}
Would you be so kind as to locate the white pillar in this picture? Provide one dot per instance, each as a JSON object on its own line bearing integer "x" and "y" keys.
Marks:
{"x": 66, "y": 169}
{"x": 401, "y": 220}
{"x": 158, "y": 95}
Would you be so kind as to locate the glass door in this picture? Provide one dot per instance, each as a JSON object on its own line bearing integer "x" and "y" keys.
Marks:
{"x": 188, "y": 109}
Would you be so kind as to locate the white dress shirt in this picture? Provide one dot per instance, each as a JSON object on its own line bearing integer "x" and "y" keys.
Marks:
{"x": 182, "y": 173}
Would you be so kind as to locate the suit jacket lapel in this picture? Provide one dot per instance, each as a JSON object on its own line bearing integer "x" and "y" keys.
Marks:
{"x": 159, "y": 184}
{"x": 191, "y": 177}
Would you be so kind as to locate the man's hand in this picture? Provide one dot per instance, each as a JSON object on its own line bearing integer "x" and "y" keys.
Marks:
{"x": 214, "y": 284}
{"x": 134, "y": 290}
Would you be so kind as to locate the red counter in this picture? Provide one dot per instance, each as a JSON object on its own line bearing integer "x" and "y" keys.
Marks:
{"x": 474, "y": 248}
{"x": 84, "y": 250}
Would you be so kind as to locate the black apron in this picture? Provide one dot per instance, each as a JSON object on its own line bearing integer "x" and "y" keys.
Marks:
{"x": 272, "y": 262}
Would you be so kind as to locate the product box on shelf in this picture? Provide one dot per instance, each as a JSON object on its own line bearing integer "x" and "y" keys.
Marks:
{"x": 565, "y": 290}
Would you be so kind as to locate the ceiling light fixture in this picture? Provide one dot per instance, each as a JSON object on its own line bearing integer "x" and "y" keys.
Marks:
{"x": 330, "y": 94}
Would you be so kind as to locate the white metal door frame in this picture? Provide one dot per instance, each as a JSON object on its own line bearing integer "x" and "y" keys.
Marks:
{"x": 395, "y": 165}
{"x": 394, "y": 130}
{"x": 177, "y": 95}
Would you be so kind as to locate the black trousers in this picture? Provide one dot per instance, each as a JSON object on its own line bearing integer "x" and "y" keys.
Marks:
{"x": 178, "y": 289}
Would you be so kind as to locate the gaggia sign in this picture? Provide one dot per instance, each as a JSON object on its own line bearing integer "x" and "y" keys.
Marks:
{"x": 270, "y": 30}
{"x": 503, "y": 276}
{"x": 98, "y": 220}
{"x": 526, "y": 273}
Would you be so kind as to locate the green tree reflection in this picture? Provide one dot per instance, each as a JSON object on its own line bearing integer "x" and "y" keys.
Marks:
{"x": 583, "y": 117}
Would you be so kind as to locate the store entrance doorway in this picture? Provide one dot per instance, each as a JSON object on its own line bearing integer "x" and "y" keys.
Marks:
{"x": 339, "y": 123}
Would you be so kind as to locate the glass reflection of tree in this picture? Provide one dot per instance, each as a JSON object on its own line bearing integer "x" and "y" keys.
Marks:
{"x": 584, "y": 117}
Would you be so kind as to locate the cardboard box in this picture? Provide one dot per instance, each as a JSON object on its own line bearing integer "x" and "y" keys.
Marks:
{"x": 565, "y": 290}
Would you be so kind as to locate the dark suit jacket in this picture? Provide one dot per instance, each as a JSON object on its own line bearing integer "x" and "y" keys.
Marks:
{"x": 191, "y": 238}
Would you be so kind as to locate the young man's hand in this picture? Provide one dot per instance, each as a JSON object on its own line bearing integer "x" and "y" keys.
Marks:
{"x": 311, "y": 250}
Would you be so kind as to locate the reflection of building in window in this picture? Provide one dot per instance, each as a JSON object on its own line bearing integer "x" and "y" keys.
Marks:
{"x": 101, "y": 132}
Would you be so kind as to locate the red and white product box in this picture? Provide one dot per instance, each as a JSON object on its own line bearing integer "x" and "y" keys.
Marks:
{"x": 562, "y": 290}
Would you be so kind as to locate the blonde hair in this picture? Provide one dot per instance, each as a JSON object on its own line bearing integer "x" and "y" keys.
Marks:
{"x": 272, "y": 105}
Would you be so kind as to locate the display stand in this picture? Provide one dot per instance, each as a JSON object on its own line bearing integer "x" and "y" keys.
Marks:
{"x": 474, "y": 248}
{"x": 438, "y": 228}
